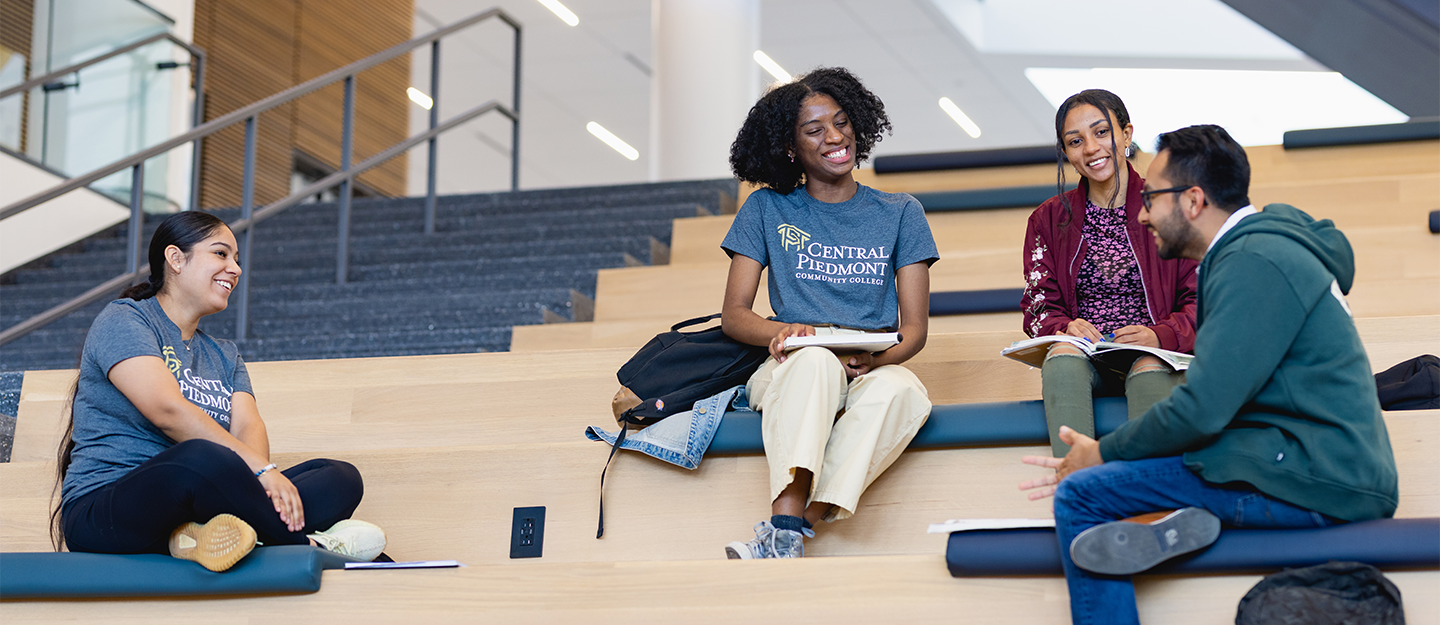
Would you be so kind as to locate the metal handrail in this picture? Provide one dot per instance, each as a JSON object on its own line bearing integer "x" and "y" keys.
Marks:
{"x": 345, "y": 177}
{"x": 197, "y": 113}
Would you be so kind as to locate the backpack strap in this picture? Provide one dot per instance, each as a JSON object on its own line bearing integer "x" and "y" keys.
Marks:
{"x": 619, "y": 438}
{"x": 690, "y": 322}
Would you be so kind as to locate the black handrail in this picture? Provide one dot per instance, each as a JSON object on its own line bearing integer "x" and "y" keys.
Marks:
{"x": 197, "y": 113}
{"x": 250, "y": 217}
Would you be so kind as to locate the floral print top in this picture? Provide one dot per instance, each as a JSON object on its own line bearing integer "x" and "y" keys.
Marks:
{"x": 1109, "y": 291}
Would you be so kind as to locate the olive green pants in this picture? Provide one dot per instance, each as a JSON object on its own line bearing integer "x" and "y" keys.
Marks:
{"x": 1070, "y": 384}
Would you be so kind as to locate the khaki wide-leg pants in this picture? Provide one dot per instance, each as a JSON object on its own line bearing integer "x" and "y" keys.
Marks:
{"x": 798, "y": 401}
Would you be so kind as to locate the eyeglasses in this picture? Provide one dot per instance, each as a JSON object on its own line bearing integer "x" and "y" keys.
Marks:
{"x": 1145, "y": 195}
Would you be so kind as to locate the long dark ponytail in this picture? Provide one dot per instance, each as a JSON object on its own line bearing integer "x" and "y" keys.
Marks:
{"x": 1109, "y": 104}
{"x": 183, "y": 230}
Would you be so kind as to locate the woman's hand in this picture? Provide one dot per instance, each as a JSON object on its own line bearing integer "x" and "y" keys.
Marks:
{"x": 1137, "y": 335}
{"x": 777, "y": 344}
{"x": 856, "y": 365}
{"x": 1084, "y": 329}
{"x": 286, "y": 499}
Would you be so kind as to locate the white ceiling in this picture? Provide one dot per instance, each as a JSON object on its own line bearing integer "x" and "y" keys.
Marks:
{"x": 907, "y": 51}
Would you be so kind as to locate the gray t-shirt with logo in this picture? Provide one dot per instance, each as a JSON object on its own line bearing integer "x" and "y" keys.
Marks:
{"x": 111, "y": 436}
{"x": 833, "y": 263}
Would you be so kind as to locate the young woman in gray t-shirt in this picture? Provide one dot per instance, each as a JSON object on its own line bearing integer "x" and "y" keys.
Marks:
{"x": 165, "y": 451}
{"x": 843, "y": 259}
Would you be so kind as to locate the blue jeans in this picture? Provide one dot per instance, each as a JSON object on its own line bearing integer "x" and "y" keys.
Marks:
{"x": 1121, "y": 489}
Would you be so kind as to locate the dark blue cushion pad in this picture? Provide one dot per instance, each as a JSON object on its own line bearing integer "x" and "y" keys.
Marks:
{"x": 954, "y": 425}
{"x": 974, "y": 302}
{"x": 1384, "y": 543}
{"x": 283, "y": 569}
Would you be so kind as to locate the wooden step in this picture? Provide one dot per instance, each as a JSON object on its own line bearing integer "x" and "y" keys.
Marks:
{"x": 422, "y": 496}
{"x": 418, "y": 401}
{"x": 878, "y": 589}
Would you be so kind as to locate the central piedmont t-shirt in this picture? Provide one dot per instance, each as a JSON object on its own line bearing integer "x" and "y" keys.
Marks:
{"x": 833, "y": 263}
{"x": 111, "y": 436}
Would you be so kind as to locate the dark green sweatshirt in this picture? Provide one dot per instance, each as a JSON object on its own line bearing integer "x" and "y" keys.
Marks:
{"x": 1280, "y": 395}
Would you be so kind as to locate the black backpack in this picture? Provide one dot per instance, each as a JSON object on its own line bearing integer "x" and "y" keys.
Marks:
{"x": 1336, "y": 593}
{"x": 676, "y": 369}
{"x": 672, "y": 372}
{"x": 1410, "y": 385}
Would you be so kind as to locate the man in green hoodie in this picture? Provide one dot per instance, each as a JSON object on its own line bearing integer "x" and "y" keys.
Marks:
{"x": 1277, "y": 424}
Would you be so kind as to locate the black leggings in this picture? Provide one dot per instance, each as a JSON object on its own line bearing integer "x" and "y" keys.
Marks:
{"x": 194, "y": 481}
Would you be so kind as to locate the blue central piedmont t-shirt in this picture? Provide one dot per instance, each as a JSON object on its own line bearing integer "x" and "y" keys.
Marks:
{"x": 111, "y": 436}
{"x": 833, "y": 263}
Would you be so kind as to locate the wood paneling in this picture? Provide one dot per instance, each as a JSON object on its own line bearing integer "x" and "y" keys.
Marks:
{"x": 17, "y": 20}
{"x": 251, "y": 55}
{"x": 260, "y": 47}
{"x": 328, "y": 41}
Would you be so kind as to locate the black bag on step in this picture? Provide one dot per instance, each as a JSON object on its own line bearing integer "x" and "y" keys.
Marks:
{"x": 1335, "y": 593}
{"x": 676, "y": 369}
{"x": 672, "y": 372}
{"x": 1410, "y": 385}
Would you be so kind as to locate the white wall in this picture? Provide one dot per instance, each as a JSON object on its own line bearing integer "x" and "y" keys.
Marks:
{"x": 52, "y": 225}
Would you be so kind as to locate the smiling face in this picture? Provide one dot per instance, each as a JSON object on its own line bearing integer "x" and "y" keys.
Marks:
{"x": 1087, "y": 137}
{"x": 204, "y": 278}
{"x": 824, "y": 140}
{"x": 1173, "y": 233}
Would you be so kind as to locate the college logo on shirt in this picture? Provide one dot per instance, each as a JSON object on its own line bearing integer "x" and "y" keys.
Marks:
{"x": 790, "y": 235}
{"x": 171, "y": 362}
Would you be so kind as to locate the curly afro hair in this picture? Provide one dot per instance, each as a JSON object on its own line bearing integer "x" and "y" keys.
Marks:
{"x": 761, "y": 152}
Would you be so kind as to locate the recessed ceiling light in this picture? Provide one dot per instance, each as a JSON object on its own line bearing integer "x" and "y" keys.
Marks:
{"x": 420, "y": 98}
{"x": 560, "y": 10}
{"x": 960, "y": 118}
{"x": 771, "y": 66}
{"x": 611, "y": 140}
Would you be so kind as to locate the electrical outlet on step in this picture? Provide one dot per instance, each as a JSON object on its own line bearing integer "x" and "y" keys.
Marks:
{"x": 527, "y": 532}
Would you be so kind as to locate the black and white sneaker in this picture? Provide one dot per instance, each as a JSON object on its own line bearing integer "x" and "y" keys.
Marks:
{"x": 1127, "y": 548}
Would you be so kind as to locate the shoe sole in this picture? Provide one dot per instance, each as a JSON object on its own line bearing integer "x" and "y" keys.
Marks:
{"x": 1125, "y": 548}
{"x": 738, "y": 551}
{"x": 216, "y": 545}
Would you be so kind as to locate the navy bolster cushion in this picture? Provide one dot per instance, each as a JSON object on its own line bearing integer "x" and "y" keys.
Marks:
{"x": 965, "y": 159}
{"x": 282, "y": 569}
{"x": 1359, "y": 135}
{"x": 954, "y": 425}
{"x": 985, "y": 199}
{"x": 975, "y": 302}
{"x": 1385, "y": 543}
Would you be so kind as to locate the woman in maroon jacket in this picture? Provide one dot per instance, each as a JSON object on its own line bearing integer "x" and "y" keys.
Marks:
{"x": 1092, "y": 271}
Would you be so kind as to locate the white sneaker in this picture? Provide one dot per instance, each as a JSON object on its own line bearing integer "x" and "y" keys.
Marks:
{"x": 353, "y": 538}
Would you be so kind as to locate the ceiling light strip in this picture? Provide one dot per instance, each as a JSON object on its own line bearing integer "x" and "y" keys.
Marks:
{"x": 771, "y": 66}
{"x": 420, "y": 98}
{"x": 560, "y": 10}
{"x": 960, "y": 118}
{"x": 611, "y": 140}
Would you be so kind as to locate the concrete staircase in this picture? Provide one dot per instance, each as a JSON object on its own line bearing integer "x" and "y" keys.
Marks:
{"x": 495, "y": 261}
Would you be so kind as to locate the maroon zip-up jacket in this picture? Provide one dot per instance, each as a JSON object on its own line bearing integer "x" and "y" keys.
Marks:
{"x": 1052, "y": 261}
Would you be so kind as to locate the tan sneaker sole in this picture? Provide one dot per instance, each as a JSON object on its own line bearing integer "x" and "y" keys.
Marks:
{"x": 216, "y": 545}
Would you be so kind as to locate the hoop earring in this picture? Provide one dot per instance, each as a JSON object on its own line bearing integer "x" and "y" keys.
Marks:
{"x": 1127, "y": 151}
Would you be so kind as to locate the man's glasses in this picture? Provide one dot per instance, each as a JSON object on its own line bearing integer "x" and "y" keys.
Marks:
{"x": 1145, "y": 195}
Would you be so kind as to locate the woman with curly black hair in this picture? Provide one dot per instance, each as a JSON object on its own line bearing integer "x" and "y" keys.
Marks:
{"x": 843, "y": 259}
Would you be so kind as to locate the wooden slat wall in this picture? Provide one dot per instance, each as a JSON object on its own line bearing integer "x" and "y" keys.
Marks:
{"x": 17, "y": 20}
{"x": 327, "y": 41}
{"x": 260, "y": 47}
{"x": 250, "y": 46}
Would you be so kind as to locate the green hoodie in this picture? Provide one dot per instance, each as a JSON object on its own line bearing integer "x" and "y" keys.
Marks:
{"x": 1280, "y": 395}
